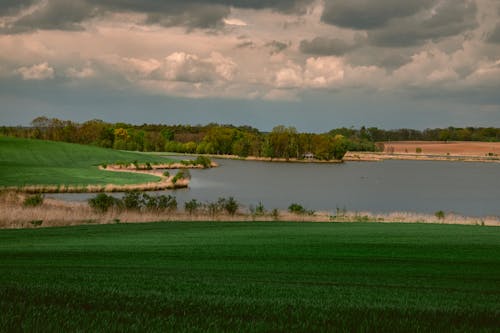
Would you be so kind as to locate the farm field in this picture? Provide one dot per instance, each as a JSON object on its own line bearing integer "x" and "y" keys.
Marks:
{"x": 461, "y": 148}
{"x": 201, "y": 276}
{"x": 28, "y": 162}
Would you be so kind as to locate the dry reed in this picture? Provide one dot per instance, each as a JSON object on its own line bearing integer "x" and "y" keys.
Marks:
{"x": 61, "y": 213}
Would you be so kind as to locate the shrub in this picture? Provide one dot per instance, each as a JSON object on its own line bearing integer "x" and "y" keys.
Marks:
{"x": 418, "y": 150}
{"x": 33, "y": 200}
{"x": 148, "y": 166}
{"x": 132, "y": 200}
{"x": 213, "y": 208}
{"x": 275, "y": 214}
{"x": 258, "y": 210}
{"x": 191, "y": 206}
{"x": 36, "y": 223}
{"x": 440, "y": 215}
{"x": 230, "y": 205}
{"x": 102, "y": 202}
{"x": 166, "y": 174}
{"x": 296, "y": 209}
{"x": 182, "y": 174}
{"x": 204, "y": 161}
{"x": 166, "y": 202}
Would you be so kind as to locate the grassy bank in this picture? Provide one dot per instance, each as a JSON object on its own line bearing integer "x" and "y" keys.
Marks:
{"x": 251, "y": 276}
{"x": 37, "y": 162}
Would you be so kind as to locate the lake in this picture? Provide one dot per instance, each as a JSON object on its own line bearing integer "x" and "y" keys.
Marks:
{"x": 471, "y": 189}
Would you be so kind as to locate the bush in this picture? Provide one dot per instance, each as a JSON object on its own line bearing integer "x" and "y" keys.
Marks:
{"x": 132, "y": 200}
{"x": 275, "y": 214}
{"x": 166, "y": 174}
{"x": 230, "y": 206}
{"x": 102, "y": 202}
{"x": 33, "y": 200}
{"x": 295, "y": 208}
{"x": 191, "y": 206}
{"x": 36, "y": 223}
{"x": 418, "y": 150}
{"x": 204, "y": 161}
{"x": 258, "y": 210}
{"x": 440, "y": 215}
{"x": 182, "y": 174}
{"x": 166, "y": 202}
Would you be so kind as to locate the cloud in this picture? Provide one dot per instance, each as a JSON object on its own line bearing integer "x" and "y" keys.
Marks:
{"x": 83, "y": 73}
{"x": 11, "y": 7}
{"x": 325, "y": 46}
{"x": 277, "y": 46}
{"x": 494, "y": 36}
{"x": 322, "y": 72}
{"x": 69, "y": 15}
{"x": 54, "y": 14}
{"x": 41, "y": 71}
{"x": 182, "y": 67}
{"x": 394, "y": 23}
{"x": 369, "y": 14}
{"x": 446, "y": 18}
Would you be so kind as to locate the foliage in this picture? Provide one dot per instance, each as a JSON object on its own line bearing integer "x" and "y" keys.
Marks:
{"x": 258, "y": 210}
{"x": 226, "y": 277}
{"x": 282, "y": 142}
{"x": 102, "y": 202}
{"x": 230, "y": 205}
{"x": 33, "y": 200}
{"x": 204, "y": 161}
{"x": 440, "y": 214}
{"x": 181, "y": 174}
{"x": 192, "y": 206}
{"x": 296, "y": 209}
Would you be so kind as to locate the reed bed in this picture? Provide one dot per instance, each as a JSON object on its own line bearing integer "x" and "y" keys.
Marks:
{"x": 13, "y": 214}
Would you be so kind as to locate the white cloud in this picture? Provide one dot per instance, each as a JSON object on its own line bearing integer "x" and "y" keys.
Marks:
{"x": 83, "y": 73}
{"x": 290, "y": 76}
{"x": 322, "y": 72}
{"x": 235, "y": 21}
{"x": 40, "y": 71}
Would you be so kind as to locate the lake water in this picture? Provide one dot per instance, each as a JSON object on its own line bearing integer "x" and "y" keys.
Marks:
{"x": 414, "y": 186}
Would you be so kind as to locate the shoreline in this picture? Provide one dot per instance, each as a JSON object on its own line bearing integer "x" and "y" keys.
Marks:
{"x": 381, "y": 156}
{"x": 164, "y": 183}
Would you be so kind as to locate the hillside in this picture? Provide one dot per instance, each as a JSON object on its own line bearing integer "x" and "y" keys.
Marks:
{"x": 38, "y": 162}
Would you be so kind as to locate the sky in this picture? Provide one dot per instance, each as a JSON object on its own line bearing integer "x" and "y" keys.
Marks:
{"x": 311, "y": 64}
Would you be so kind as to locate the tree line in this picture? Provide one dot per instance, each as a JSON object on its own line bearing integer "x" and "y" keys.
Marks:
{"x": 281, "y": 142}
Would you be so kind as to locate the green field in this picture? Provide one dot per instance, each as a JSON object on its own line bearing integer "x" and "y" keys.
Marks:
{"x": 38, "y": 162}
{"x": 195, "y": 276}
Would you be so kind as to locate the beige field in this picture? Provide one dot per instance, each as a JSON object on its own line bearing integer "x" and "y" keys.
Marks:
{"x": 459, "y": 148}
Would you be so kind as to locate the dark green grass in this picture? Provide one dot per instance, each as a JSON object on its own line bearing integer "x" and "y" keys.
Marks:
{"x": 38, "y": 162}
{"x": 193, "y": 276}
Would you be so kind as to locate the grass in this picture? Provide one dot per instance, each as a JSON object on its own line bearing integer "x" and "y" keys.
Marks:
{"x": 251, "y": 277}
{"x": 37, "y": 162}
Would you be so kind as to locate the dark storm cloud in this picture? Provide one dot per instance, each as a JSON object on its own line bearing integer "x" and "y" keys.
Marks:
{"x": 449, "y": 18}
{"x": 369, "y": 14}
{"x": 68, "y": 15}
{"x": 57, "y": 14}
{"x": 325, "y": 46}
{"x": 494, "y": 36}
{"x": 9, "y": 7}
